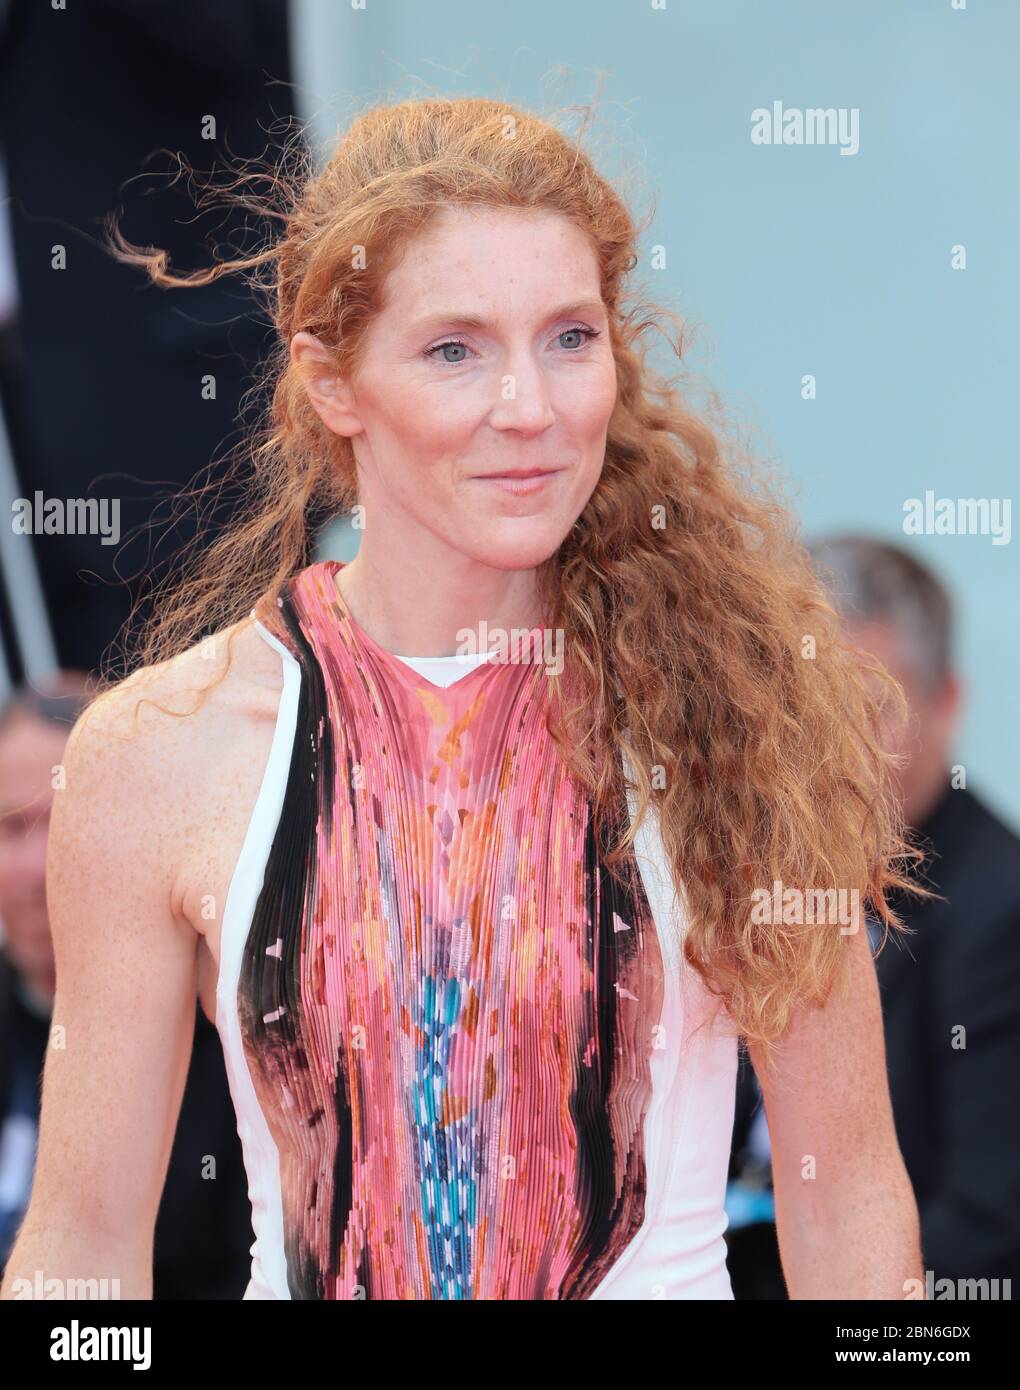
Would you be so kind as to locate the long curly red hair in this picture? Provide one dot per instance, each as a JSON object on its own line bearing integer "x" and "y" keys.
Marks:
{"x": 699, "y": 641}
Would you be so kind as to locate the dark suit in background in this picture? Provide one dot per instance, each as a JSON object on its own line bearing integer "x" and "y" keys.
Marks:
{"x": 957, "y": 1109}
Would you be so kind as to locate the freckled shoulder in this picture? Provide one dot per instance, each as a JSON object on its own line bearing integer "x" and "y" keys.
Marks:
{"x": 190, "y": 736}
{"x": 177, "y": 702}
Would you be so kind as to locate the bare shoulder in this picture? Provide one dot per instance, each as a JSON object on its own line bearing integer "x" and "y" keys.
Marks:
{"x": 157, "y": 754}
{"x": 175, "y": 708}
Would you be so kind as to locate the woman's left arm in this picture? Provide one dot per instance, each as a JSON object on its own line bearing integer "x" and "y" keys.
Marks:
{"x": 846, "y": 1217}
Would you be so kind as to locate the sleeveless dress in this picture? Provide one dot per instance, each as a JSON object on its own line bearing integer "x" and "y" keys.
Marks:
{"x": 467, "y": 1062}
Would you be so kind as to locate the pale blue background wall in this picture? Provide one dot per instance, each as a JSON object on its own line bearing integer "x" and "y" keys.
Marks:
{"x": 795, "y": 259}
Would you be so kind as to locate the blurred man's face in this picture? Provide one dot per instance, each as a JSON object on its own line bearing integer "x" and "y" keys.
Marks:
{"x": 30, "y": 747}
{"x": 926, "y": 738}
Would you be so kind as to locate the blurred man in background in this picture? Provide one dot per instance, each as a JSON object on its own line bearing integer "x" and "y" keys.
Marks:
{"x": 951, "y": 991}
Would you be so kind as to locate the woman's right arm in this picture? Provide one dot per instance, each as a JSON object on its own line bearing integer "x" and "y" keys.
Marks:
{"x": 124, "y": 1012}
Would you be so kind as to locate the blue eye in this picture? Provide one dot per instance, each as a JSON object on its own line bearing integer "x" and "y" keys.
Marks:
{"x": 443, "y": 347}
{"x": 586, "y": 335}
{"x": 589, "y": 333}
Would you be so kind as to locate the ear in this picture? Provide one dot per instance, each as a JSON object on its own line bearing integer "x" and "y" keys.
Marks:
{"x": 330, "y": 394}
{"x": 950, "y": 700}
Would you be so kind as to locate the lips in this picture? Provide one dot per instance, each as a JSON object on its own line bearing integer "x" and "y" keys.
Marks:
{"x": 521, "y": 474}
{"x": 523, "y": 483}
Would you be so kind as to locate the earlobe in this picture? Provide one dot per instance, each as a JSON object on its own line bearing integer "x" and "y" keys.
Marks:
{"x": 328, "y": 393}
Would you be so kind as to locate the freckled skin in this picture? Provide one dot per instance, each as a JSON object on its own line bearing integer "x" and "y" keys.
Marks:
{"x": 522, "y": 395}
{"x": 30, "y": 748}
{"x": 249, "y": 705}
{"x": 152, "y": 821}
{"x": 851, "y": 1230}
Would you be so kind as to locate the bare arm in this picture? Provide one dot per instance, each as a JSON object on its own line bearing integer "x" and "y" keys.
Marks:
{"x": 124, "y": 1013}
{"x": 846, "y": 1216}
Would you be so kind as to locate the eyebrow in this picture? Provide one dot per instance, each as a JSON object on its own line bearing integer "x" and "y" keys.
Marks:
{"x": 459, "y": 320}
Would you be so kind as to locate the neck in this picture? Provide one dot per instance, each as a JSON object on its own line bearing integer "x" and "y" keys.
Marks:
{"x": 413, "y": 609}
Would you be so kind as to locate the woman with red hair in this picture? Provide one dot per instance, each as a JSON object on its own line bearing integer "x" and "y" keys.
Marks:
{"x": 480, "y": 930}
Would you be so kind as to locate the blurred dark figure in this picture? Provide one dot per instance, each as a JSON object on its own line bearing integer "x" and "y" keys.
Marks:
{"x": 950, "y": 992}
{"x": 105, "y": 379}
{"x": 203, "y": 1231}
{"x": 112, "y": 391}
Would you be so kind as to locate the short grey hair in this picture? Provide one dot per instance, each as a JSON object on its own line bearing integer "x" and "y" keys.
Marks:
{"x": 873, "y": 581}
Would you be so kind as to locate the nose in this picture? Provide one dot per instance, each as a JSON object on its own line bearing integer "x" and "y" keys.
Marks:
{"x": 522, "y": 397}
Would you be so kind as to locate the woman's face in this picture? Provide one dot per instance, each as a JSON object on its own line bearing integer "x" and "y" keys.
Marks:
{"x": 490, "y": 358}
